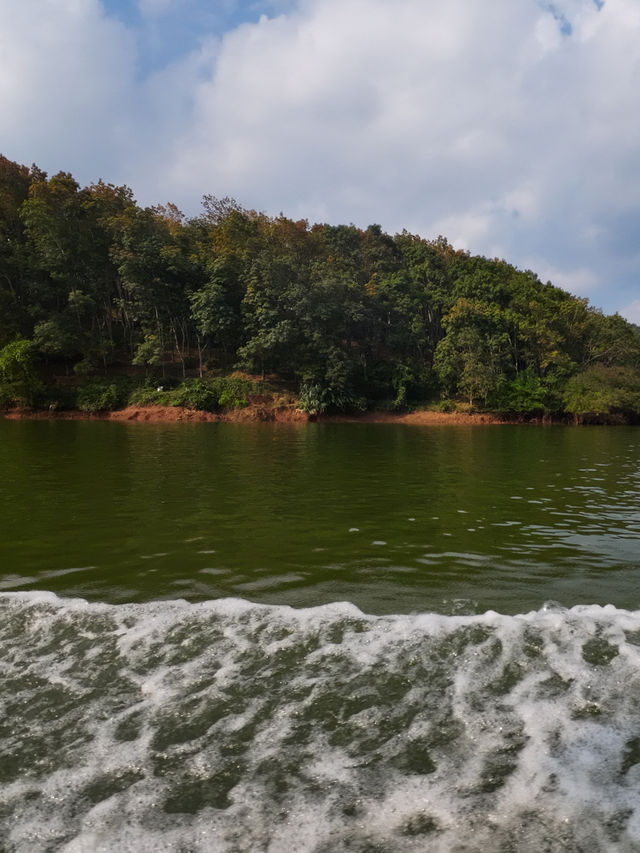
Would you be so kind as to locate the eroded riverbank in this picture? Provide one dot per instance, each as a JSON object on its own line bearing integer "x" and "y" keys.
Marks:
{"x": 256, "y": 413}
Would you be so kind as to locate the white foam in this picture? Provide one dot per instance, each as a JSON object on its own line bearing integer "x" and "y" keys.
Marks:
{"x": 227, "y": 725}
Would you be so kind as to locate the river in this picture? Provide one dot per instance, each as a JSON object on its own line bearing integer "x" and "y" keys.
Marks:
{"x": 322, "y": 637}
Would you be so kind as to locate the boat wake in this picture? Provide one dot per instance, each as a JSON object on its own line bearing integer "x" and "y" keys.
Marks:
{"x": 231, "y": 726}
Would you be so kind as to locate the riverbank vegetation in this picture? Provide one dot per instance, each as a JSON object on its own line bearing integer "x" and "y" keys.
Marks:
{"x": 105, "y": 304}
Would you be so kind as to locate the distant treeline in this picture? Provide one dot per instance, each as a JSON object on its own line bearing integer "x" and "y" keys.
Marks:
{"x": 92, "y": 285}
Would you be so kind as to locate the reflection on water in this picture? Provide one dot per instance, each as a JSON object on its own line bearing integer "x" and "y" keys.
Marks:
{"x": 393, "y": 518}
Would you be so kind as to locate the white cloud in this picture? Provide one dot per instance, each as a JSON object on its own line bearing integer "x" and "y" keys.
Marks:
{"x": 345, "y": 96}
{"x": 65, "y": 72}
{"x": 465, "y": 230}
{"x": 581, "y": 281}
{"x": 511, "y": 127}
{"x": 632, "y": 312}
{"x": 486, "y": 119}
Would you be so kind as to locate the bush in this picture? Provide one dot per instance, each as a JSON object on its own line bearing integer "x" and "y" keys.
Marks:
{"x": 59, "y": 398}
{"x": 233, "y": 392}
{"x": 103, "y": 395}
{"x": 148, "y": 395}
{"x": 208, "y": 395}
{"x": 20, "y": 381}
{"x": 97, "y": 397}
{"x": 7, "y": 395}
{"x": 315, "y": 399}
{"x": 525, "y": 394}
{"x": 310, "y": 398}
{"x": 198, "y": 394}
{"x": 603, "y": 390}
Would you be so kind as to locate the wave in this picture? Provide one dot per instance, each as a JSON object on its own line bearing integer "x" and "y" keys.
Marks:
{"x": 227, "y": 725}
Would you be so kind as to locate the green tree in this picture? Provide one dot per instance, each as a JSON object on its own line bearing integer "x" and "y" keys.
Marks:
{"x": 473, "y": 357}
{"x": 602, "y": 390}
{"x": 216, "y": 309}
{"x": 19, "y": 378}
{"x": 16, "y": 264}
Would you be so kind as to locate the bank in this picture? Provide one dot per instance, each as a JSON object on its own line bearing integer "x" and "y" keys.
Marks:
{"x": 288, "y": 413}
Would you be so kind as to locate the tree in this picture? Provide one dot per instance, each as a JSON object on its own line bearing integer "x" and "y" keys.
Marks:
{"x": 216, "y": 309}
{"x": 15, "y": 262}
{"x": 473, "y": 357}
{"x": 602, "y": 390}
{"x": 154, "y": 270}
{"x": 20, "y": 381}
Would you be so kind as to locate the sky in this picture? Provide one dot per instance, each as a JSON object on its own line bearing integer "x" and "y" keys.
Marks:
{"x": 512, "y": 127}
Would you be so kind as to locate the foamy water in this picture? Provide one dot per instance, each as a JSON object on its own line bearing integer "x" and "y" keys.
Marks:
{"x": 231, "y": 726}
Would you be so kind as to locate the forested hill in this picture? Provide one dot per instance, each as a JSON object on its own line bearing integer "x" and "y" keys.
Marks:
{"x": 92, "y": 285}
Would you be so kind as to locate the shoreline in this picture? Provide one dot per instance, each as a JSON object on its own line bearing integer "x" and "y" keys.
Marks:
{"x": 255, "y": 413}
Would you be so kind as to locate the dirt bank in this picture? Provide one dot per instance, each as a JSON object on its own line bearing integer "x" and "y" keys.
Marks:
{"x": 254, "y": 413}
{"x": 173, "y": 414}
{"x": 169, "y": 414}
{"x": 414, "y": 418}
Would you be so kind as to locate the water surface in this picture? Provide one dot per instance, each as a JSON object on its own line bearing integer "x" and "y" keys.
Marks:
{"x": 330, "y": 638}
{"x": 394, "y": 519}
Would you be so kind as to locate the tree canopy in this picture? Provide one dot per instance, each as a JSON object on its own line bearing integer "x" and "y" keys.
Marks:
{"x": 91, "y": 283}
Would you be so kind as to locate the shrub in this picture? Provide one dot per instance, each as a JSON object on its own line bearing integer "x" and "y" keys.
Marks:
{"x": 524, "y": 394}
{"x": 20, "y": 382}
{"x": 7, "y": 395}
{"x": 310, "y": 398}
{"x": 603, "y": 390}
{"x": 97, "y": 397}
{"x": 198, "y": 394}
{"x": 233, "y": 392}
{"x": 59, "y": 398}
{"x": 103, "y": 395}
{"x": 208, "y": 395}
{"x": 147, "y": 395}
{"x": 315, "y": 399}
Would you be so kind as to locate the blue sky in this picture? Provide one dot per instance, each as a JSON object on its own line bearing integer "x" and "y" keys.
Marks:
{"x": 510, "y": 126}
{"x": 165, "y": 30}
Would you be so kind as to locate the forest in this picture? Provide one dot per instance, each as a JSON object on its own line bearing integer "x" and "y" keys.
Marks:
{"x": 101, "y": 299}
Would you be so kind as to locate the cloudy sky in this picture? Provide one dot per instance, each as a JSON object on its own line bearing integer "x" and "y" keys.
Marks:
{"x": 512, "y": 127}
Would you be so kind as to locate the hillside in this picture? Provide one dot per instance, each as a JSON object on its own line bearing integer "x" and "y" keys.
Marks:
{"x": 97, "y": 293}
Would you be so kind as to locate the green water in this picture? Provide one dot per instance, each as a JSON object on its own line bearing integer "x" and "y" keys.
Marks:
{"x": 395, "y": 519}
